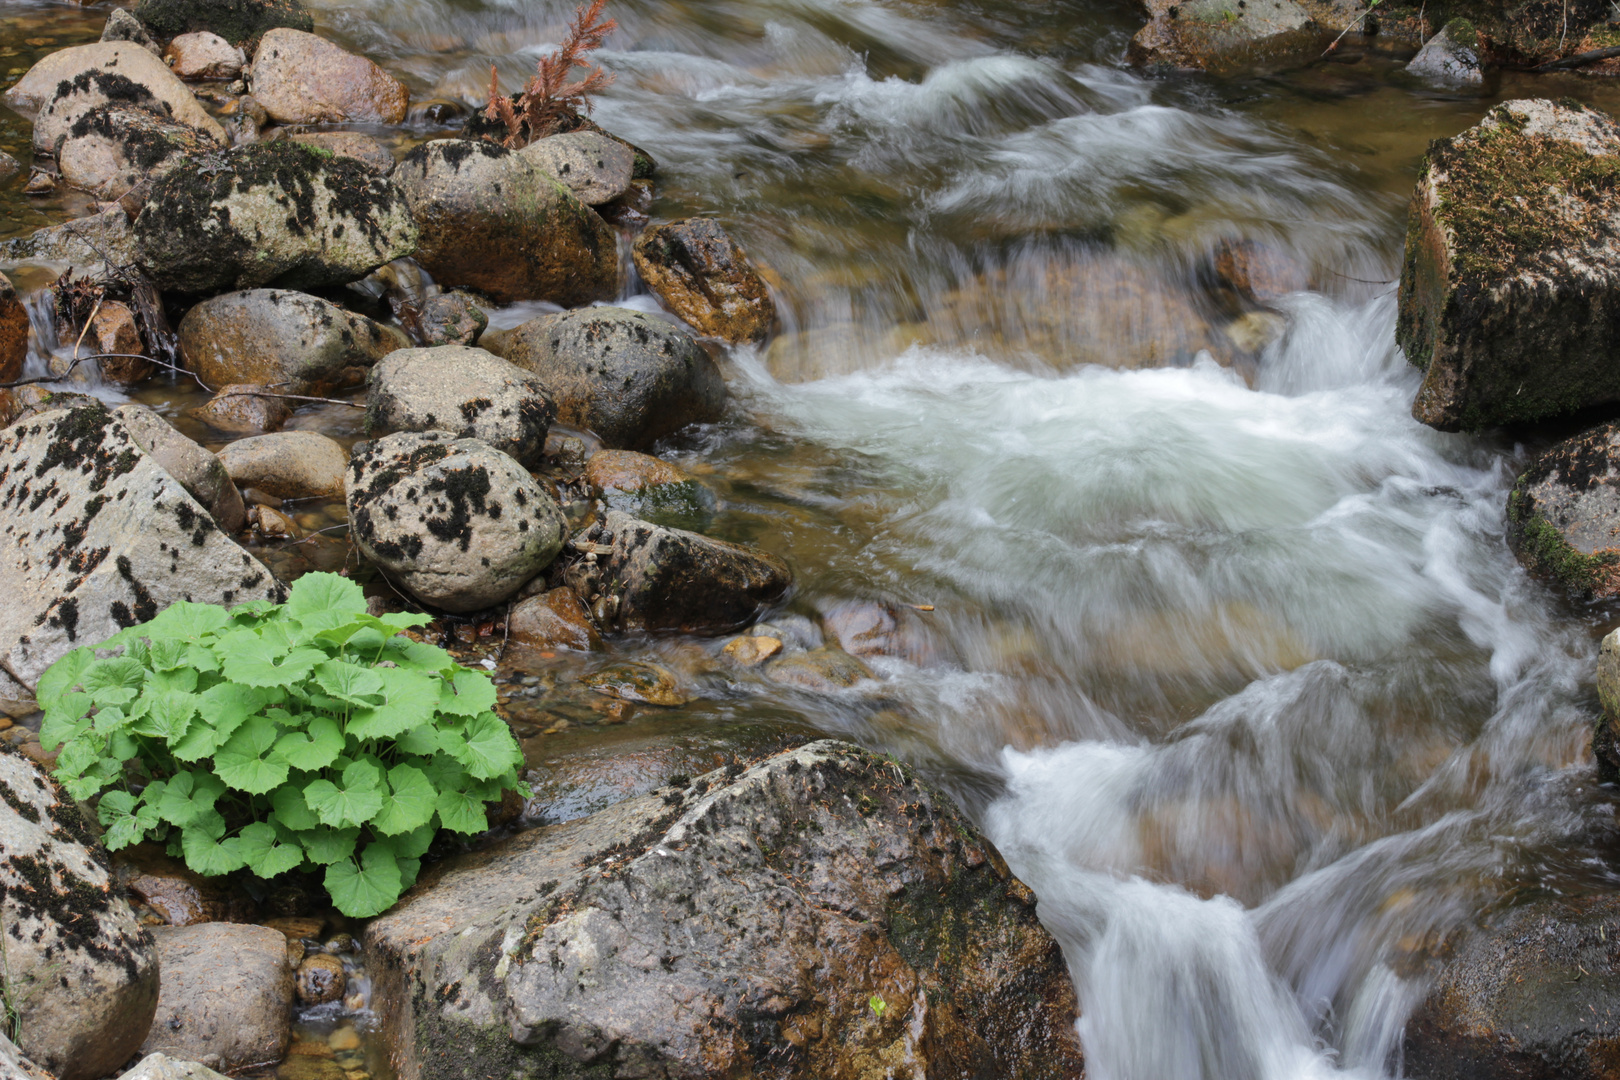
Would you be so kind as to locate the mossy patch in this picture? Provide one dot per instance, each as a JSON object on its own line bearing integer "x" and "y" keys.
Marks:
{"x": 1544, "y": 551}
{"x": 241, "y": 22}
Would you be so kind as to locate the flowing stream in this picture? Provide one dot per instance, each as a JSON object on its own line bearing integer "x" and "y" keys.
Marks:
{"x": 1225, "y": 651}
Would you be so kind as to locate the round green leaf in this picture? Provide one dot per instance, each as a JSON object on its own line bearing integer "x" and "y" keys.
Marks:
{"x": 409, "y": 804}
{"x": 367, "y": 888}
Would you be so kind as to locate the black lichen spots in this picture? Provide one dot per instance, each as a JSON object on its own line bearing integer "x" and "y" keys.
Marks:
{"x": 73, "y": 533}
{"x": 66, "y": 618}
{"x": 198, "y": 524}
{"x": 453, "y": 152}
{"x": 21, "y": 807}
{"x": 146, "y": 607}
{"x": 470, "y": 410}
{"x": 110, "y": 85}
{"x": 145, "y": 139}
{"x": 81, "y": 440}
{"x": 465, "y": 490}
{"x": 70, "y": 905}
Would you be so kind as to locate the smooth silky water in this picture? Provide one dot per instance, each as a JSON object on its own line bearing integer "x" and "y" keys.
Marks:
{"x": 1229, "y": 658}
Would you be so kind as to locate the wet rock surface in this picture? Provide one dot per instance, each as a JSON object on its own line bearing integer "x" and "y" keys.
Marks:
{"x": 112, "y": 538}
{"x": 280, "y": 213}
{"x": 114, "y": 334}
{"x": 81, "y": 971}
{"x": 13, "y": 332}
{"x": 227, "y": 995}
{"x": 85, "y": 244}
{"x": 628, "y": 377}
{"x": 201, "y": 473}
{"x": 493, "y": 222}
{"x": 299, "y": 343}
{"x": 451, "y": 319}
{"x": 202, "y": 55}
{"x": 595, "y": 168}
{"x": 240, "y": 22}
{"x": 648, "y": 577}
{"x": 1508, "y": 311}
{"x": 455, "y": 521}
{"x": 465, "y": 391}
{"x": 738, "y": 926}
{"x": 555, "y": 619}
{"x": 287, "y": 464}
{"x": 302, "y": 79}
{"x": 110, "y": 149}
{"x": 702, "y": 274}
{"x": 1218, "y": 36}
{"x": 319, "y": 979}
{"x": 1451, "y": 57}
{"x": 244, "y": 409}
{"x": 1564, "y": 514}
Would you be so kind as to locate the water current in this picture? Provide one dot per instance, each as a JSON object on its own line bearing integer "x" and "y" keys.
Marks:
{"x": 1225, "y": 651}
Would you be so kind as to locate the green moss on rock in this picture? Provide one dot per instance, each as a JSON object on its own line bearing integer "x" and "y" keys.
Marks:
{"x": 241, "y": 22}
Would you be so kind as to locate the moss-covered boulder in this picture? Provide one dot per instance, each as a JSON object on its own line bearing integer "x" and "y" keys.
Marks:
{"x": 1510, "y": 285}
{"x": 240, "y": 22}
{"x": 1564, "y": 514}
{"x": 825, "y": 913}
{"x": 465, "y": 391}
{"x": 1451, "y": 57}
{"x": 110, "y": 149}
{"x": 272, "y": 213}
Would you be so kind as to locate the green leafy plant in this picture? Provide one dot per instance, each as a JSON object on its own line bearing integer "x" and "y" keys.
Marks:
{"x": 281, "y": 737}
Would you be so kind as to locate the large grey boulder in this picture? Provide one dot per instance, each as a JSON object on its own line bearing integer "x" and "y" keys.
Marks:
{"x": 1564, "y": 514}
{"x": 455, "y": 521}
{"x": 80, "y": 970}
{"x": 492, "y": 221}
{"x": 595, "y": 168}
{"x": 95, "y": 536}
{"x": 297, "y": 343}
{"x": 825, "y": 913}
{"x": 301, "y": 79}
{"x": 240, "y": 22}
{"x": 1510, "y": 284}
{"x": 200, "y": 472}
{"x": 110, "y": 149}
{"x": 271, "y": 213}
{"x": 87, "y": 244}
{"x": 465, "y": 391}
{"x": 647, "y": 577}
{"x": 227, "y": 995}
{"x": 1451, "y": 57}
{"x": 629, "y": 377}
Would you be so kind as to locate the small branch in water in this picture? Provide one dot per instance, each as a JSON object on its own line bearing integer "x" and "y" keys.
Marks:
{"x": 1364, "y": 281}
{"x": 69, "y": 371}
{"x": 1357, "y": 21}
{"x": 291, "y": 397}
{"x": 1578, "y": 60}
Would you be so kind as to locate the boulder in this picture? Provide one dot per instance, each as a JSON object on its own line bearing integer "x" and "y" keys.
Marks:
{"x": 288, "y": 464}
{"x": 1222, "y": 36}
{"x": 270, "y": 213}
{"x": 202, "y": 474}
{"x": 350, "y": 144}
{"x": 13, "y": 332}
{"x": 1256, "y": 273}
{"x": 298, "y": 343}
{"x": 240, "y": 22}
{"x": 80, "y": 971}
{"x": 626, "y": 470}
{"x": 122, "y": 26}
{"x": 14, "y": 1066}
{"x": 1564, "y": 514}
{"x": 650, "y": 489}
{"x": 702, "y": 275}
{"x": 115, "y": 335}
{"x": 111, "y": 148}
{"x": 1510, "y": 284}
{"x": 595, "y": 168}
{"x": 1533, "y": 996}
{"x": 492, "y": 221}
{"x": 164, "y": 1067}
{"x": 87, "y": 245}
{"x": 1451, "y": 57}
{"x": 320, "y": 979}
{"x": 202, "y": 55}
{"x": 553, "y": 620}
{"x": 627, "y": 376}
{"x": 650, "y": 578}
{"x": 227, "y": 995}
{"x": 467, "y": 392}
{"x": 452, "y": 318}
{"x": 826, "y": 913}
{"x": 111, "y": 538}
{"x": 302, "y": 79}
{"x": 455, "y": 521}
{"x": 244, "y": 409}
{"x": 65, "y": 85}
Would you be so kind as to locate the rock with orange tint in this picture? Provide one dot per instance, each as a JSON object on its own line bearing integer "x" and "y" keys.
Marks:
{"x": 118, "y": 340}
{"x": 13, "y": 332}
{"x": 302, "y": 79}
{"x": 1258, "y": 272}
{"x": 702, "y": 275}
{"x": 201, "y": 55}
{"x": 553, "y": 620}
{"x": 626, "y": 470}
{"x": 244, "y": 409}
{"x": 831, "y": 903}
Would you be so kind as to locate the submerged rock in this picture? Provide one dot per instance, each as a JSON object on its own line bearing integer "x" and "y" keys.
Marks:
{"x": 702, "y": 275}
{"x": 111, "y": 148}
{"x": 467, "y": 392}
{"x": 553, "y": 620}
{"x": 270, "y": 213}
{"x": 824, "y": 914}
{"x": 240, "y": 22}
{"x": 1451, "y": 57}
{"x": 80, "y": 971}
{"x": 298, "y": 343}
{"x": 302, "y": 79}
{"x": 13, "y": 332}
{"x": 820, "y": 671}
{"x": 287, "y": 464}
{"x": 201, "y": 473}
{"x": 1564, "y": 514}
{"x": 111, "y": 538}
{"x": 227, "y": 995}
{"x": 630, "y": 378}
{"x": 1510, "y": 285}
{"x": 494, "y": 222}
{"x": 455, "y": 521}
{"x": 595, "y": 168}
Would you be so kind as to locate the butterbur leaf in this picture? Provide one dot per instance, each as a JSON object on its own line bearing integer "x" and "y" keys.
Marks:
{"x": 419, "y": 655}
{"x": 461, "y": 812}
{"x": 413, "y": 844}
{"x": 181, "y": 679}
{"x": 325, "y": 846}
{"x": 210, "y": 856}
{"x": 242, "y": 763}
{"x": 189, "y": 796}
{"x": 185, "y": 621}
{"x": 65, "y": 674}
{"x": 127, "y": 819}
{"x": 264, "y": 851}
{"x": 322, "y": 596}
{"x": 291, "y": 809}
{"x": 314, "y": 748}
{"x": 409, "y": 698}
{"x": 53, "y": 732}
{"x": 367, "y": 888}
{"x": 409, "y": 803}
{"x": 349, "y": 682}
{"x": 423, "y": 740}
{"x": 252, "y": 660}
{"x": 467, "y": 693}
{"x": 113, "y": 681}
{"x": 77, "y": 756}
{"x": 166, "y": 655}
{"x": 352, "y": 804}
{"x": 167, "y": 714}
{"x": 487, "y": 748}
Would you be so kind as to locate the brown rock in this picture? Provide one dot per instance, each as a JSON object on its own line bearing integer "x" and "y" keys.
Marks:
{"x": 452, "y": 318}
{"x": 302, "y": 79}
{"x": 866, "y": 628}
{"x": 626, "y": 470}
{"x": 201, "y": 55}
{"x": 320, "y": 979}
{"x": 1258, "y": 272}
{"x": 350, "y": 144}
{"x": 296, "y": 928}
{"x": 298, "y": 343}
{"x": 288, "y": 464}
{"x": 13, "y": 332}
{"x": 552, "y": 620}
{"x": 820, "y": 671}
{"x": 226, "y": 992}
{"x": 702, "y": 275}
{"x": 114, "y": 332}
{"x": 178, "y": 893}
{"x": 650, "y": 684}
{"x": 751, "y": 650}
{"x": 244, "y": 408}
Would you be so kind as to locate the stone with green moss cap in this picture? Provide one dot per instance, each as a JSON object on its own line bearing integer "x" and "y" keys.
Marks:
{"x": 240, "y": 22}
{"x": 1564, "y": 514}
{"x": 1510, "y": 285}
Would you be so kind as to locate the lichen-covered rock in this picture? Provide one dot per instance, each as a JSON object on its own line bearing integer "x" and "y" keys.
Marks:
{"x": 467, "y": 392}
{"x": 455, "y": 521}
{"x": 1221, "y": 36}
{"x": 492, "y": 221}
{"x": 824, "y": 914}
{"x": 86, "y": 244}
{"x": 287, "y": 464}
{"x": 627, "y": 376}
{"x": 270, "y": 213}
{"x": 702, "y": 275}
{"x": 302, "y": 79}
{"x": 274, "y": 337}
{"x": 111, "y": 148}
{"x": 595, "y": 168}
{"x": 122, "y": 26}
{"x": 553, "y": 620}
{"x": 227, "y": 995}
{"x": 13, "y": 332}
{"x": 648, "y": 577}
{"x": 201, "y": 473}
{"x": 202, "y": 55}
{"x": 14, "y": 1066}
{"x": 1564, "y": 513}
{"x": 95, "y": 536}
{"x": 164, "y": 1067}
{"x": 240, "y": 22}
{"x": 1510, "y": 285}
{"x": 1451, "y": 57}
{"x": 80, "y": 971}
{"x": 350, "y": 144}
{"x": 65, "y": 85}
{"x": 452, "y": 318}
{"x": 1534, "y": 996}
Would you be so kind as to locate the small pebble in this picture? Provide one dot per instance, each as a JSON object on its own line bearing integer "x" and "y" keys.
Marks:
{"x": 320, "y": 979}
{"x": 344, "y": 1038}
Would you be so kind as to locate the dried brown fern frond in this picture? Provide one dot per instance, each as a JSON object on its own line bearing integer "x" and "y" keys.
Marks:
{"x": 550, "y": 96}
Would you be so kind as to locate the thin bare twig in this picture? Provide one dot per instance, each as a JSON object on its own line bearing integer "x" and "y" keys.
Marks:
{"x": 506, "y": 632}
{"x": 77, "y": 361}
{"x": 287, "y": 397}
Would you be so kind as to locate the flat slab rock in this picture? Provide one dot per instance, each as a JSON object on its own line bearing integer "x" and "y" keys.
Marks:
{"x": 824, "y": 914}
{"x": 96, "y": 536}
{"x": 1564, "y": 514}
